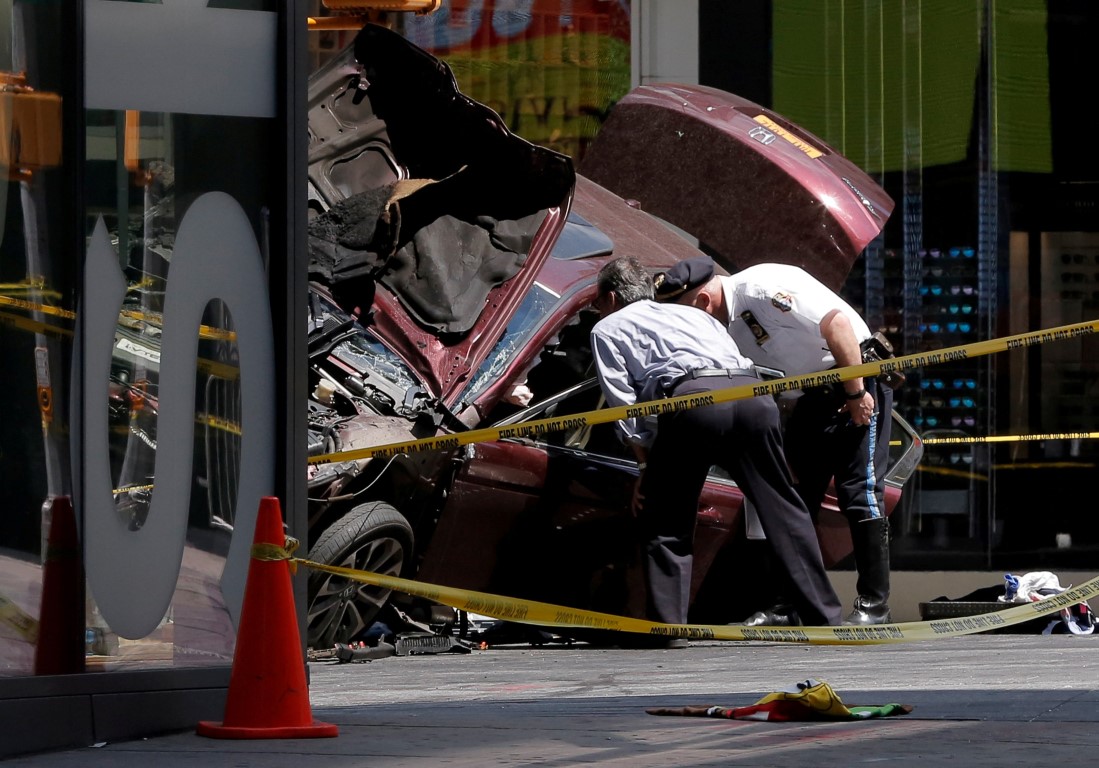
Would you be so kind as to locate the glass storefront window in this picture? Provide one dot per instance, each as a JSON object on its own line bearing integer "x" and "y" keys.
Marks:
{"x": 144, "y": 172}
{"x": 968, "y": 113}
{"x": 133, "y": 287}
{"x": 37, "y": 313}
{"x": 179, "y": 186}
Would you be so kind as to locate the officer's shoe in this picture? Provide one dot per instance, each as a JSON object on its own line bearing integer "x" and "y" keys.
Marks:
{"x": 868, "y": 612}
{"x": 775, "y": 616}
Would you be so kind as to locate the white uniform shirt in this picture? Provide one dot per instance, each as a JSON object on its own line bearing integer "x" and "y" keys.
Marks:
{"x": 774, "y": 316}
{"x": 645, "y": 346}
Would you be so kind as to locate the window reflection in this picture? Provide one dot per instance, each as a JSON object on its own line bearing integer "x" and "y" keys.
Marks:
{"x": 144, "y": 169}
{"x": 37, "y": 314}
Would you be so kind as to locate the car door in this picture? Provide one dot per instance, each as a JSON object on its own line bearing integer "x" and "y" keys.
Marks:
{"x": 548, "y": 518}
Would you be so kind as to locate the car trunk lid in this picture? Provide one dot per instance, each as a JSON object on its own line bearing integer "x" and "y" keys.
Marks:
{"x": 749, "y": 184}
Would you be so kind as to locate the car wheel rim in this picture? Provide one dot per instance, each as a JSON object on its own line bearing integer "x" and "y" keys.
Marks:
{"x": 344, "y": 608}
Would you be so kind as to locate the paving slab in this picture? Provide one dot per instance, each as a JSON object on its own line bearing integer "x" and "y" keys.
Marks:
{"x": 981, "y": 700}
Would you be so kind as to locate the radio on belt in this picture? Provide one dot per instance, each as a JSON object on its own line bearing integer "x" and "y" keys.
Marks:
{"x": 874, "y": 350}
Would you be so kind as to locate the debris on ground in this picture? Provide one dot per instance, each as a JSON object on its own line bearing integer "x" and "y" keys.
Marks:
{"x": 807, "y": 700}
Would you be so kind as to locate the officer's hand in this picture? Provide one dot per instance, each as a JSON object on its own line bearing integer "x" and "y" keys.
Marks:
{"x": 638, "y": 500}
{"x": 860, "y": 410}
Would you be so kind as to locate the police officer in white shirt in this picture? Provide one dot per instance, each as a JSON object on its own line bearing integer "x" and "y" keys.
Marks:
{"x": 645, "y": 351}
{"x": 782, "y": 317}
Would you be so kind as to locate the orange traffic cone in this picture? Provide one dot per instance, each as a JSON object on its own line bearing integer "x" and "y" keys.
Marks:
{"x": 61, "y": 634}
{"x": 268, "y": 697}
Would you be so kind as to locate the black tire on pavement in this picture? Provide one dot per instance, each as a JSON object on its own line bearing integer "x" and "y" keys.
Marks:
{"x": 371, "y": 537}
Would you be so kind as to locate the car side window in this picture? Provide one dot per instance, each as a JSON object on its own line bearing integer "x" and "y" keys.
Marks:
{"x": 900, "y": 441}
{"x": 602, "y": 439}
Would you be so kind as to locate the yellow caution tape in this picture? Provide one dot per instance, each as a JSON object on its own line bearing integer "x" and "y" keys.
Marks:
{"x": 132, "y": 489}
{"x": 33, "y": 326}
{"x": 949, "y": 472}
{"x": 935, "y": 469}
{"x": 217, "y": 422}
{"x": 152, "y": 318}
{"x": 34, "y": 285}
{"x": 539, "y": 427}
{"x": 157, "y": 320}
{"x": 45, "y": 309}
{"x": 273, "y": 552}
{"x": 1011, "y": 438}
{"x": 549, "y": 615}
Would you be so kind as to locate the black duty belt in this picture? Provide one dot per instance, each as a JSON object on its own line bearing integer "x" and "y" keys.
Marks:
{"x": 701, "y": 373}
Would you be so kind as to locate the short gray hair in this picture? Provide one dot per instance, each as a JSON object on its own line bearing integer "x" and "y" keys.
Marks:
{"x": 627, "y": 278}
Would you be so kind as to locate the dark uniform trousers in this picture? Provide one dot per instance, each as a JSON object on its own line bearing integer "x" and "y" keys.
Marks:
{"x": 743, "y": 437}
{"x": 822, "y": 444}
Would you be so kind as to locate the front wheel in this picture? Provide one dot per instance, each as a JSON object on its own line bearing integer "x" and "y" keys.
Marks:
{"x": 371, "y": 537}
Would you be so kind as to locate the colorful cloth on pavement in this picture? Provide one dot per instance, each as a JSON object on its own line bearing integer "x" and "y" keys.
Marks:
{"x": 807, "y": 700}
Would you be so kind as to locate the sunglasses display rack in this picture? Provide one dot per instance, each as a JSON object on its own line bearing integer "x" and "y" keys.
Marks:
{"x": 1070, "y": 375}
{"x": 943, "y": 288}
{"x": 946, "y": 288}
{"x": 923, "y": 300}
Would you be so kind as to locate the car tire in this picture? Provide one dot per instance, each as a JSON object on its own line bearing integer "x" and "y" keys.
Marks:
{"x": 371, "y": 537}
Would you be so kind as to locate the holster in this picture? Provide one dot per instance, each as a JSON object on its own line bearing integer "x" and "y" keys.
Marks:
{"x": 876, "y": 349}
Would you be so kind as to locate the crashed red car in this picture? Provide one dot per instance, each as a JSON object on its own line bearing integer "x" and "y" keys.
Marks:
{"x": 452, "y": 261}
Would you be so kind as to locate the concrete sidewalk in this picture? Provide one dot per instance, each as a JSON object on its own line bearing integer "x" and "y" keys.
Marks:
{"x": 983, "y": 700}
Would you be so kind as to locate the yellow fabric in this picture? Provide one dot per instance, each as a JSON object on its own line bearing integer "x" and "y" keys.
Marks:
{"x": 814, "y": 694}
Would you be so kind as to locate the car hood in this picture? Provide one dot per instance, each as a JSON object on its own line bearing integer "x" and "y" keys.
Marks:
{"x": 749, "y": 184}
{"x": 429, "y": 219}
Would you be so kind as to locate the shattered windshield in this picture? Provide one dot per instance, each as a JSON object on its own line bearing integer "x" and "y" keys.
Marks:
{"x": 359, "y": 348}
{"x": 536, "y": 308}
{"x": 365, "y": 353}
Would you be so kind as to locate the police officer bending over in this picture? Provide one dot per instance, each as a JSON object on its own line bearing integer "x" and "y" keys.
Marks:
{"x": 645, "y": 351}
{"x": 782, "y": 317}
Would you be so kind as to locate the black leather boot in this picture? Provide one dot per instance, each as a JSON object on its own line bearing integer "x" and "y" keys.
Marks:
{"x": 871, "y": 540}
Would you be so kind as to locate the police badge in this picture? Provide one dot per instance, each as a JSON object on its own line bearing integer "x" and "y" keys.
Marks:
{"x": 782, "y": 301}
{"x": 757, "y": 329}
